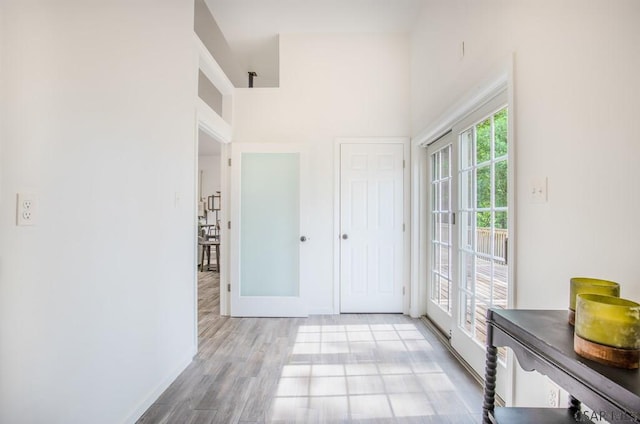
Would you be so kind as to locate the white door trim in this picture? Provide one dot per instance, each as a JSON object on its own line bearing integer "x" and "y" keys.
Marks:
{"x": 224, "y": 216}
{"x": 405, "y": 141}
{"x": 220, "y": 128}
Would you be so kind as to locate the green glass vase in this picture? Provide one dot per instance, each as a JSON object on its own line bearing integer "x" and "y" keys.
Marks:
{"x": 608, "y": 320}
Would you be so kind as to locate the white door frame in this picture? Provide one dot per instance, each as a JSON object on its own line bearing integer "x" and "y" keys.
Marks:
{"x": 405, "y": 141}
{"x": 223, "y": 267}
{"x": 220, "y": 128}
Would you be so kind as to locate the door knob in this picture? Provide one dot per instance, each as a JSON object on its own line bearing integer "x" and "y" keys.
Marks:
{"x": 345, "y": 236}
{"x": 303, "y": 239}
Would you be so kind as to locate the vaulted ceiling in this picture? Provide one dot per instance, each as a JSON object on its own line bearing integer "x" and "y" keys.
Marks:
{"x": 252, "y": 27}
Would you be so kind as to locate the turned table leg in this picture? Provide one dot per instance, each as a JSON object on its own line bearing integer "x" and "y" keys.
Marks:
{"x": 574, "y": 406}
{"x": 489, "y": 383}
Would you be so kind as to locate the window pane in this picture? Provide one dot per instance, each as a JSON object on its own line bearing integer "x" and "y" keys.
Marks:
{"x": 481, "y": 322}
{"x": 468, "y": 274}
{"x": 466, "y": 312}
{"x": 435, "y": 166}
{"x": 444, "y": 294}
{"x": 435, "y": 236}
{"x": 466, "y": 149}
{"x": 444, "y": 260}
{"x": 483, "y": 220}
{"x": 483, "y": 234}
{"x": 466, "y": 190}
{"x": 444, "y": 164}
{"x": 436, "y": 258}
{"x": 501, "y": 184}
{"x": 483, "y": 141}
{"x": 500, "y": 283}
{"x": 483, "y": 187}
{"x": 444, "y": 229}
{"x": 435, "y": 288}
{"x": 466, "y": 230}
{"x": 500, "y": 125}
{"x": 435, "y": 195}
{"x": 501, "y": 221}
{"x": 444, "y": 198}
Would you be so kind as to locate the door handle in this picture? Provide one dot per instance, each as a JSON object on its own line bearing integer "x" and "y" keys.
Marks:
{"x": 303, "y": 238}
{"x": 345, "y": 236}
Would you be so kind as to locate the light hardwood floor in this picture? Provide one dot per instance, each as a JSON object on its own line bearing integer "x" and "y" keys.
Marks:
{"x": 355, "y": 368}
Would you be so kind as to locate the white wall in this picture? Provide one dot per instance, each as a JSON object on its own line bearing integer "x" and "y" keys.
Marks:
{"x": 210, "y": 167}
{"x": 97, "y": 300}
{"x": 330, "y": 86}
{"x": 575, "y": 113}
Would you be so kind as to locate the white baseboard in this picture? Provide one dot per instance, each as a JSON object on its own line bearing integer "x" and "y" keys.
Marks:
{"x": 160, "y": 388}
{"x": 323, "y": 311}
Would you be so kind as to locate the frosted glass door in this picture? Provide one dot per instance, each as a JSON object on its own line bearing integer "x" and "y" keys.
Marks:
{"x": 268, "y": 241}
{"x": 270, "y": 224}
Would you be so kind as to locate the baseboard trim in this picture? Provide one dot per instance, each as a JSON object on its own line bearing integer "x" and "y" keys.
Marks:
{"x": 446, "y": 342}
{"x": 323, "y": 311}
{"x": 160, "y": 388}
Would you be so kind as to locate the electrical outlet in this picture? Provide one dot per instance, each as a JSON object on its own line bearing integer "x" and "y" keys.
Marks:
{"x": 553, "y": 395}
{"x": 26, "y": 209}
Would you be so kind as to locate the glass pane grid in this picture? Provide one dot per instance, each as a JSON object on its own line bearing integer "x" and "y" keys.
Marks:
{"x": 466, "y": 317}
{"x": 484, "y": 229}
{"x": 440, "y": 273}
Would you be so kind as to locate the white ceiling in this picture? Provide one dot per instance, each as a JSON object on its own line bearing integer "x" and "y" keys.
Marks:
{"x": 251, "y": 27}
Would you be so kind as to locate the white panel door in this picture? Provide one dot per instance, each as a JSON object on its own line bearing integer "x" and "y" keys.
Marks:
{"x": 371, "y": 225}
{"x": 267, "y": 232}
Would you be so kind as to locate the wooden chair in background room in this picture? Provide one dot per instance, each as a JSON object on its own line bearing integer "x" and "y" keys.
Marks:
{"x": 206, "y": 240}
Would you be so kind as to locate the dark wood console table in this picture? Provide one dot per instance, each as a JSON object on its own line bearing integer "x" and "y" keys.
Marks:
{"x": 543, "y": 341}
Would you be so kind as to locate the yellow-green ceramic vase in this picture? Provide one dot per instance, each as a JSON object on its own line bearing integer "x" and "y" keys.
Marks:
{"x": 589, "y": 285}
{"x": 608, "y": 320}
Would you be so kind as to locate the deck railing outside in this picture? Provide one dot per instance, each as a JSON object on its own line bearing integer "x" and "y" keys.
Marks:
{"x": 483, "y": 240}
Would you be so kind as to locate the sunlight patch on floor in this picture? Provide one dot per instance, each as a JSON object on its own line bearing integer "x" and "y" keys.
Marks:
{"x": 320, "y": 384}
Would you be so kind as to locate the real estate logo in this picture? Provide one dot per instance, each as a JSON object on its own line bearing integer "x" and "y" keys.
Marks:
{"x": 603, "y": 416}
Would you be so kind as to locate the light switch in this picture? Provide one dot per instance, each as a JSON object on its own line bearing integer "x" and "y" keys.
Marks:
{"x": 538, "y": 190}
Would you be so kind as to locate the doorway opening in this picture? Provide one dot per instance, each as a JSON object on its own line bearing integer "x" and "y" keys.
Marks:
{"x": 210, "y": 211}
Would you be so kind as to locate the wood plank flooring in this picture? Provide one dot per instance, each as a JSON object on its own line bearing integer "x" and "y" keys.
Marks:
{"x": 355, "y": 368}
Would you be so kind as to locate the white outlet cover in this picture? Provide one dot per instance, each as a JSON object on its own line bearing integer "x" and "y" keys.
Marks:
{"x": 553, "y": 394}
{"x": 26, "y": 209}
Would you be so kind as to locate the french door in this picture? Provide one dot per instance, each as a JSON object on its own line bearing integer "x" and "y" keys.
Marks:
{"x": 469, "y": 228}
{"x": 442, "y": 243}
{"x": 268, "y": 238}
